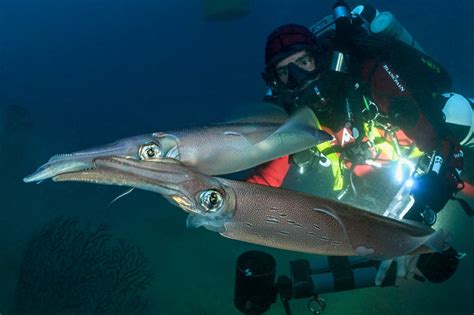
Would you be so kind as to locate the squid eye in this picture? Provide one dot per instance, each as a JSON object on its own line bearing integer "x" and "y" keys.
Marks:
{"x": 211, "y": 200}
{"x": 149, "y": 151}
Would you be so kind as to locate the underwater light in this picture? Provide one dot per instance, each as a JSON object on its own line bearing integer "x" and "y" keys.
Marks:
{"x": 402, "y": 164}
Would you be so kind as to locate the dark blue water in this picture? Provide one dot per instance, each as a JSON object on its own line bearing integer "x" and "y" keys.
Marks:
{"x": 74, "y": 74}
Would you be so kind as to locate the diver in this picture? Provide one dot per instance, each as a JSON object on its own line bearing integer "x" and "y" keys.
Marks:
{"x": 376, "y": 115}
{"x": 383, "y": 100}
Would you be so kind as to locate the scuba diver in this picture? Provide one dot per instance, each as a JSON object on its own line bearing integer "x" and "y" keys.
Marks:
{"x": 386, "y": 104}
{"x": 381, "y": 108}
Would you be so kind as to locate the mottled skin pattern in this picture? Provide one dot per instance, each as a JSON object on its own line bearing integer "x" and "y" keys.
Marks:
{"x": 268, "y": 216}
{"x": 295, "y": 221}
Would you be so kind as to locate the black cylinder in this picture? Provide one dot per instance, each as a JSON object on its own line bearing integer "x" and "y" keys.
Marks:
{"x": 438, "y": 267}
{"x": 254, "y": 282}
{"x": 336, "y": 273}
{"x": 341, "y": 10}
{"x": 343, "y": 19}
{"x": 368, "y": 13}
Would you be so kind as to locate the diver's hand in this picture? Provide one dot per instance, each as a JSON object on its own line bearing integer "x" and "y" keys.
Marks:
{"x": 406, "y": 267}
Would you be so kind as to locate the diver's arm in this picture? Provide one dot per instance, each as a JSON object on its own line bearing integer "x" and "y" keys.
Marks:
{"x": 272, "y": 173}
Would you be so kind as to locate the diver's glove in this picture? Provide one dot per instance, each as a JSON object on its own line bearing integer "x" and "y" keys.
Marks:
{"x": 434, "y": 189}
{"x": 406, "y": 267}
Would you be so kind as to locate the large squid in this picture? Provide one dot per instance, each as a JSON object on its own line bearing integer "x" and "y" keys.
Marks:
{"x": 264, "y": 215}
{"x": 213, "y": 150}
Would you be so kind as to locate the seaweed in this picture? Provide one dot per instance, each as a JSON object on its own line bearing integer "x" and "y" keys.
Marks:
{"x": 70, "y": 269}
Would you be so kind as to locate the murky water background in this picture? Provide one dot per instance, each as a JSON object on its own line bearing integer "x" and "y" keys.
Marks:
{"x": 79, "y": 73}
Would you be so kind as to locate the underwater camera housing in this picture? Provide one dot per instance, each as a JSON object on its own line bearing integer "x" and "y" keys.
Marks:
{"x": 256, "y": 291}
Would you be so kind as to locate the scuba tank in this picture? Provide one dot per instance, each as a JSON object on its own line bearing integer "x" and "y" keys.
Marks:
{"x": 380, "y": 36}
{"x": 459, "y": 116}
{"x": 387, "y": 26}
{"x": 381, "y": 24}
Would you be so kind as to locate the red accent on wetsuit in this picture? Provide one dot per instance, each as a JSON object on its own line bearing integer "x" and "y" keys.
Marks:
{"x": 388, "y": 88}
{"x": 386, "y": 85}
{"x": 468, "y": 189}
{"x": 272, "y": 173}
